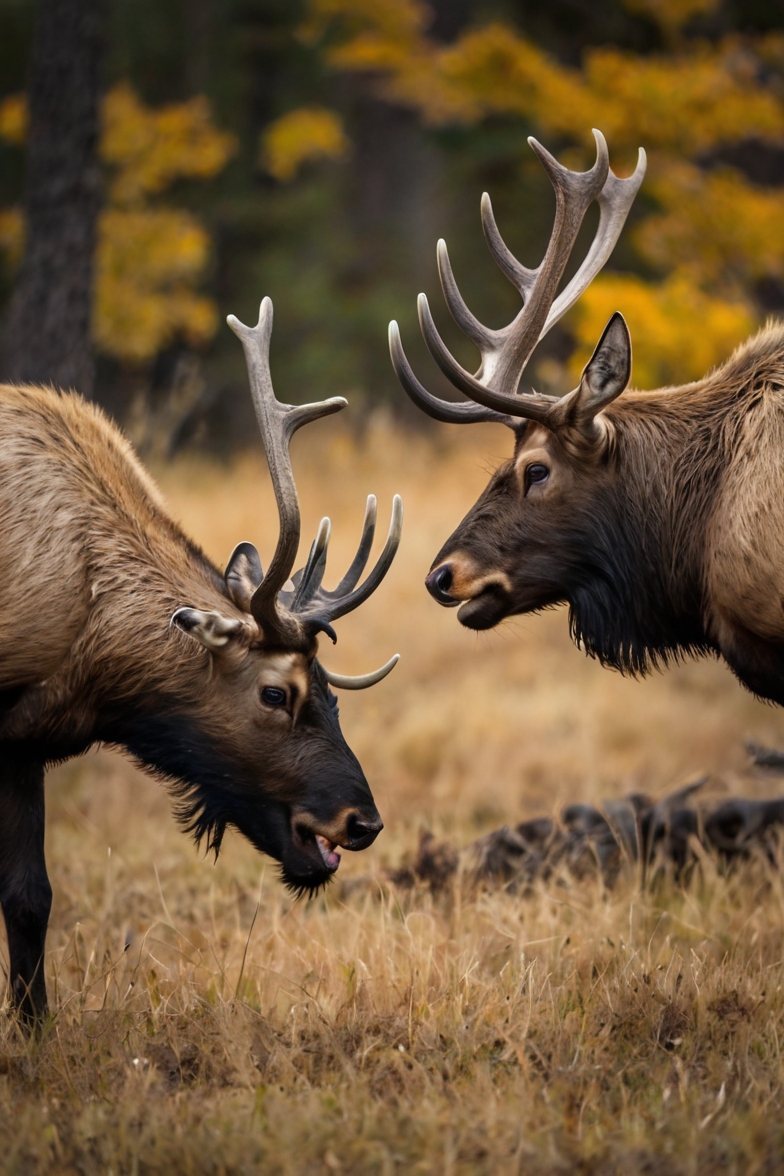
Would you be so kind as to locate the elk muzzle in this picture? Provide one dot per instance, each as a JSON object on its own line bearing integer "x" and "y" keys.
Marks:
{"x": 485, "y": 597}
{"x": 352, "y": 829}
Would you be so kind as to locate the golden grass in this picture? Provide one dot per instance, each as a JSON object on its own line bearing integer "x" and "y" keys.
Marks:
{"x": 207, "y": 1024}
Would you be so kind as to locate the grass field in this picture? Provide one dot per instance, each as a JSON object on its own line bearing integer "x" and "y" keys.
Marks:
{"x": 206, "y": 1023}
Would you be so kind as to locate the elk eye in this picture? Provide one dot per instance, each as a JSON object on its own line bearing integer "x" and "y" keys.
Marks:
{"x": 536, "y": 473}
{"x": 273, "y": 696}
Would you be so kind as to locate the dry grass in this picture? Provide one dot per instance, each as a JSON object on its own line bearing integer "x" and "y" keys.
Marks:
{"x": 207, "y": 1024}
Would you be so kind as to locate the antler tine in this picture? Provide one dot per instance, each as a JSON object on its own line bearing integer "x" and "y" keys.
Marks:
{"x": 277, "y": 422}
{"x": 615, "y": 200}
{"x": 521, "y": 277}
{"x": 329, "y": 608}
{"x": 361, "y": 681}
{"x": 309, "y": 580}
{"x": 533, "y": 407}
{"x": 482, "y": 336}
{"x": 358, "y": 563}
{"x": 441, "y": 410}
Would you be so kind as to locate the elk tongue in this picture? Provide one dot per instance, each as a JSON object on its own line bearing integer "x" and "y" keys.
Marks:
{"x": 327, "y": 851}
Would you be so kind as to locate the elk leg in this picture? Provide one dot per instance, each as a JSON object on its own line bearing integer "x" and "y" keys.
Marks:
{"x": 25, "y": 893}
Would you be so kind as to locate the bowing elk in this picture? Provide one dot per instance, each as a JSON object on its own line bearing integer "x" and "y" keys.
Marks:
{"x": 116, "y": 628}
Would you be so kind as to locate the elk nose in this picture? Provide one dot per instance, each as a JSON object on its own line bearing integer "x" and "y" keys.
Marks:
{"x": 438, "y": 584}
{"x": 360, "y": 833}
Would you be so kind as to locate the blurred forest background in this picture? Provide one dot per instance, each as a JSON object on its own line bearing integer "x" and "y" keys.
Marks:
{"x": 314, "y": 150}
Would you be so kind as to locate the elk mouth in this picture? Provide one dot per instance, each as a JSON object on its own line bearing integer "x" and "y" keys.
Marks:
{"x": 482, "y": 600}
{"x": 319, "y": 850}
{"x": 486, "y": 609}
{"x": 313, "y": 855}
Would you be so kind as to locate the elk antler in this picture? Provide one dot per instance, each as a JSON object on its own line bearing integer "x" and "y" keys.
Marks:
{"x": 293, "y": 616}
{"x": 505, "y": 352}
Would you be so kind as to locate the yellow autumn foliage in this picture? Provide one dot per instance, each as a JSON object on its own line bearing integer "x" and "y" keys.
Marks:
{"x": 492, "y": 70}
{"x": 13, "y": 119}
{"x": 148, "y": 262}
{"x": 683, "y": 103}
{"x": 311, "y": 132}
{"x": 11, "y": 234}
{"x": 387, "y": 38}
{"x": 388, "y": 21}
{"x": 719, "y": 227}
{"x": 147, "y": 149}
{"x": 150, "y": 258}
{"x": 678, "y": 331}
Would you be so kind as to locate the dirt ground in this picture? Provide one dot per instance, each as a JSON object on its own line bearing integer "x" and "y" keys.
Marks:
{"x": 207, "y": 1023}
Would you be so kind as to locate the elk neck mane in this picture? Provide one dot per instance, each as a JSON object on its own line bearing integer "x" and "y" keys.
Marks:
{"x": 644, "y": 604}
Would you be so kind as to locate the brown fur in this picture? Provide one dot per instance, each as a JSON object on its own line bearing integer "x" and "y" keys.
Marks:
{"x": 663, "y": 531}
{"x": 85, "y": 536}
{"x": 92, "y": 570}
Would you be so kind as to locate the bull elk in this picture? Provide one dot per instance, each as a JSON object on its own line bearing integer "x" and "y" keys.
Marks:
{"x": 658, "y": 516}
{"x": 116, "y": 628}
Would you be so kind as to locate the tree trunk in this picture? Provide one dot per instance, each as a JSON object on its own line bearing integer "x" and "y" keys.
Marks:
{"x": 49, "y": 320}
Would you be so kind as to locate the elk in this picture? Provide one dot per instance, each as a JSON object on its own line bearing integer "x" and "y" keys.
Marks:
{"x": 115, "y": 628}
{"x": 656, "y": 516}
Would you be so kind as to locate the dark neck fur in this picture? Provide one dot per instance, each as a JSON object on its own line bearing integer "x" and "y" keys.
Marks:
{"x": 170, "y": 746}
{"x": 638, "y": 601}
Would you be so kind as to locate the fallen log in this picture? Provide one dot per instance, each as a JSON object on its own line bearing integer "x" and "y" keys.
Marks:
{"x": 635, "y": 831}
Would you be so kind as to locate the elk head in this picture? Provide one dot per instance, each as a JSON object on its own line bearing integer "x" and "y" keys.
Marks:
{"x": 274, "y": 762}
{"x": 534, "y": 538}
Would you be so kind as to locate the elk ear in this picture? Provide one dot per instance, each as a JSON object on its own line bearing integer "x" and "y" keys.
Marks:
{"x": 212, "y": 630}
{"x": 607, "y": 372}
{"x": 243, "y": 574}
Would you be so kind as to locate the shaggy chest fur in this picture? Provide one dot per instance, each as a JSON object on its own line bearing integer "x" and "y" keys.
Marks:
{"x": 698, "y": 558}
